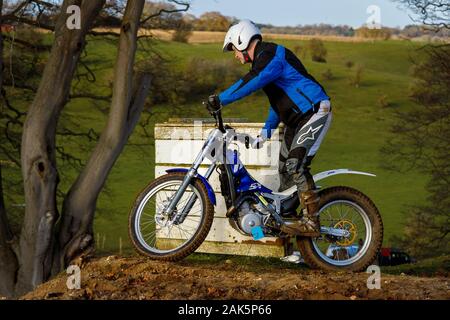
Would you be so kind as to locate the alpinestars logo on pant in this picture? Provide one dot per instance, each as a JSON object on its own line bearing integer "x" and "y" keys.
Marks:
{"x": 309, "y": 135}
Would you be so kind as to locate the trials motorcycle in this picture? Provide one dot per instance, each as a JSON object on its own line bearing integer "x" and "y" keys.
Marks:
{"x": 173, "y": 215}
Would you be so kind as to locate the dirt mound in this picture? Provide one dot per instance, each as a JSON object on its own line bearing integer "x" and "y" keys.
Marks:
{"x": 139, "y": 278}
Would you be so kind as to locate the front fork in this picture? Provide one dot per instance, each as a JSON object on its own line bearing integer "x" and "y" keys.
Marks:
{"x": 207, "y": 149}
{"x": 179, "y": 217}
{"x": 191, "y": 174}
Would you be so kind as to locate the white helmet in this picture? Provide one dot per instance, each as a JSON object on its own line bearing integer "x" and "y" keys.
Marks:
{"x": 240, "y": 35}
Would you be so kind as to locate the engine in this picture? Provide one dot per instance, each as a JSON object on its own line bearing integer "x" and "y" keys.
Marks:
{"x": 249, "y": 216}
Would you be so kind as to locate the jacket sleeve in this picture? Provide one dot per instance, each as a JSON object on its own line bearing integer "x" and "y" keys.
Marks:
{"x": 272, "y": 122}
{"x": 266, "y": 69}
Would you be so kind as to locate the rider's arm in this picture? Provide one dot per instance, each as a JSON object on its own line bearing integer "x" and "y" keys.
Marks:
{"x": 272, "y": 122}
{"x": 267, "y": 68}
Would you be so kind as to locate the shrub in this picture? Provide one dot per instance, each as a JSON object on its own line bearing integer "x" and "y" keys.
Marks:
{"x": 300, "y": 51}
{"x": 378, "y": 34}
{"x": 182, "y": 33}
{"x": 207, "y": 76}
{"x": 356, "y": 77}
{"x": 167, "y": 85}
{"x": 317, "y": 50}
{"x": 383, "y": 101}
{"x": 199, "y": 77}
{"x": 328, "y": 75}
{"x": 349, "y": 64}
{"x": 24, "y": 62}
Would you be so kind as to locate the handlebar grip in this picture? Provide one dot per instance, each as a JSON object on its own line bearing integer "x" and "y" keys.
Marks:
{"x": 247, "y": 142}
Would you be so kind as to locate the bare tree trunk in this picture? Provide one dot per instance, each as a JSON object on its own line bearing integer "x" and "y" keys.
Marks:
{"x": 129, "y": 93}
{"x": 38, "y": 147}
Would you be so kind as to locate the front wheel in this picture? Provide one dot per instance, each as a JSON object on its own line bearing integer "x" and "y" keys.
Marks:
{"x": 349, "y": 209}
{"x": 158, "y": 235}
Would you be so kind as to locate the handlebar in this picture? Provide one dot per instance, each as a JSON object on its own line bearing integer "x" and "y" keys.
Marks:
{"x": 244, "y": 138}
{"x": 217, "y": 116}
{"x": 220, "y": 121}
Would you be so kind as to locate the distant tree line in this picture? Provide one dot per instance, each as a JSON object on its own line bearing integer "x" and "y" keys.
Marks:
{"x": 215, "y": 21}
{"x": 313, "y": 29}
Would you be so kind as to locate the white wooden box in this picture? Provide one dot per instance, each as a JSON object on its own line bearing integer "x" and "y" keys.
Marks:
{"x": 177, "y": 143}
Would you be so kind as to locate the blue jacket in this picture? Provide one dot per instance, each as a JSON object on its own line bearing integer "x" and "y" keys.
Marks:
{"x": 291, "y": 90}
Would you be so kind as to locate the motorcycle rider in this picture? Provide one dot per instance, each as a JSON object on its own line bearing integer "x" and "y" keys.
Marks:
{"x": 296, "y": 99}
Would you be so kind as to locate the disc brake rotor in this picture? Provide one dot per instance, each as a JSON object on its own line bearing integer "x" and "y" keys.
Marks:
{"x": 351, "y": 228}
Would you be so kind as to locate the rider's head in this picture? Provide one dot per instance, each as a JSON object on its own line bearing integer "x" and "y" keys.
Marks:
{"x": 242, "y": 38}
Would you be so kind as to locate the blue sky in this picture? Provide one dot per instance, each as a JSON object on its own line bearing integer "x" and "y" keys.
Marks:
{"x": 295, "y": 12}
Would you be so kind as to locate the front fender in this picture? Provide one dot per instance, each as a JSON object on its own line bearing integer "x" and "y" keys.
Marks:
{"x": 209, "y": 189}
{"x": 329, "y": 173}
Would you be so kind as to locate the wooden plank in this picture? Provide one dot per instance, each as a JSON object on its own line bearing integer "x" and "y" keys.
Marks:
{"x": 242, "y": 249}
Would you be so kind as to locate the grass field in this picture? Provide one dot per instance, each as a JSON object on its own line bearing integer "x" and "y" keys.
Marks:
{"x": 360, "y": 127}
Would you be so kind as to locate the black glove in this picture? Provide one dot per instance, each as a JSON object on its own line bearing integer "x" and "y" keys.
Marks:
{"x": 213, "y": 104}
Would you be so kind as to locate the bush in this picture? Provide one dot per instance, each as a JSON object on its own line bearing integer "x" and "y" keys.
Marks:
{"x": 317, "y": 50}
{"x": 379, "y": 34}
{"x": 199, "y": 78}
{"x": 328, "y": 75}
{"x": 212, "y": 21}
{"x": 182, "y": 33}
{"x": 167, "y": 85}
{"x": 24, "y": 62}
{"x": 349, "y": 64}
{"x": 383, "y": 101}
{"x": 300, "y": 51}
{"x": 207, "y": 76}
{"x": 356, "y": 78}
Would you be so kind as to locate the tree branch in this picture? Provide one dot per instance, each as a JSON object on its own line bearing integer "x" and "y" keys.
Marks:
{"x": 161, "y": 11}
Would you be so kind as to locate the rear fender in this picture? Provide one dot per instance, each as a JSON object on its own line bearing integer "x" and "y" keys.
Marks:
{"x": 330, "y": 173}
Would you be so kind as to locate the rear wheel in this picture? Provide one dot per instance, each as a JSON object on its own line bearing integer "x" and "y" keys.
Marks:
{"x": 157, "y": 235}
{"x": 349, "y": 209}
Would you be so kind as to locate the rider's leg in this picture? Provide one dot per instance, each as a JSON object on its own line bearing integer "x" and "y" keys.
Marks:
{"x": 309, "y": 200}
{"x": 286, "y": 180}
{"x": 305, "y": 144}
{"x": 309, "y": 224}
